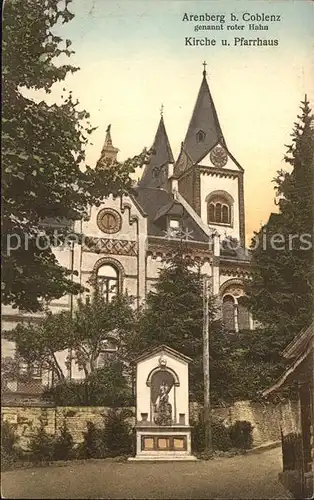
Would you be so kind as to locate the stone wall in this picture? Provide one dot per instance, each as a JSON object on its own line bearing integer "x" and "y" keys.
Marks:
{"x": 266, "y": 419}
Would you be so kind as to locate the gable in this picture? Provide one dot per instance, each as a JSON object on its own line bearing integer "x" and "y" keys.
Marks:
{"x": 162, "y": 351}
{"x": 219, "y": 157}
{"x": 114, "y": 219}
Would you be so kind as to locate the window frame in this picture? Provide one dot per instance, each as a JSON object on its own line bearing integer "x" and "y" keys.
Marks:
{"x": 107, "y": 279}
{"x": 176, "y": 231}
{"x": 115, "y": 264}
{"x": 200, "y": 136}
{"x": 212, "y": 203}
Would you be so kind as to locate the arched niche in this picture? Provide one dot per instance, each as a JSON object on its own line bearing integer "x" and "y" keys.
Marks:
{"x": 163, "y": 382}
{"x": 162, "y": 369}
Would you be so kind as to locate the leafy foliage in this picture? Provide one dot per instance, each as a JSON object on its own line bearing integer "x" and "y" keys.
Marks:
{"x": 63, "y": 445}
{"x": 241, "y": 434}
{"x": 224, "y": 438}
{"x": 117, "y": 433}
{"x": 240, "y": 364}
{"x": 9, "y": 450}
{"x": 43, "y": 151}
{"x": 174, "y": 316}
{"x": 113, "y": 439}
{"x": 281, "y": 290}
{"x": 248, "y": 363}
{"x": 106, "y": 386}
{"x": 41, "y": 445}
{"x": 93, "y": 446}
{"x": 220, "y": 436}
{"x": 9, "y": 438}
{"x": 94, "y": 322}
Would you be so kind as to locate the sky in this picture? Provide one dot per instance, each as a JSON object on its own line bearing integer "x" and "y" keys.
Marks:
{"x": 133, "y": 58}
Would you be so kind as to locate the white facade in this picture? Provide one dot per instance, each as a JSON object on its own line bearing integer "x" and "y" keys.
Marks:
{"x": 126, "y": 240}
{"x": 162, "y": 406}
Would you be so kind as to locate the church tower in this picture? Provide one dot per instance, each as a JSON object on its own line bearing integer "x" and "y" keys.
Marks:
{"x": 209, "y": 177}
{"x": 156, "y": 172}
{"x": 108, "y": 152}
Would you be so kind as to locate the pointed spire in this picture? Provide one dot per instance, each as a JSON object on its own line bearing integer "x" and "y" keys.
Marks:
{"x": 108, "y": 140}
{"x": 204, "y": 130}
{"x": 108, "y": 152}
{"x": 156, "y": 171}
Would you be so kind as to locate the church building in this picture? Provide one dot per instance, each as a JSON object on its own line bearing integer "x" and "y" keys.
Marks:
{"x": 197, "y": 198}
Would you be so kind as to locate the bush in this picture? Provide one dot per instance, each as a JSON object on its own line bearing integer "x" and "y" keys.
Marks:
{"x": 63, "y": 446}
{"x": 117, "y": 433}
{"x": 42, "y": 445}
{"x": 238, "y": 435}
{"x": 198, "y": 436}
{"x": 9, "y": 439}
{"x": 220, "y": 436}
{"x": 106, "y": 386}
{"x": 241, "y": 434}
{"x": 67, "y": 393}
{"x": 93, "y": 446}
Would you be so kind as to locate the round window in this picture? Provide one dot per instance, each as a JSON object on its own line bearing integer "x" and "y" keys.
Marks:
{"x": 218, "y": 157}
{"x": 109, "y": 221}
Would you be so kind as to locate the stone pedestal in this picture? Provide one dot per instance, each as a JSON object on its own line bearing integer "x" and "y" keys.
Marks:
{"x": 162, "y": 406}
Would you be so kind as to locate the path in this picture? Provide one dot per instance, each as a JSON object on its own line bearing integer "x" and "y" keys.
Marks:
{"x": 248, "y": 476}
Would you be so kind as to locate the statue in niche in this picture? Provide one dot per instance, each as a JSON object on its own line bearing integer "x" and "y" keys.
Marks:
{"x": 163, "y": 409}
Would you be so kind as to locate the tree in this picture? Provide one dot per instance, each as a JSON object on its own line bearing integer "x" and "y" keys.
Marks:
{"x": 281, "y": 290}
{"x": 43, "y": 152}
{"x": 240, "y": 364}
{"x": 83, "y": 336}
{"x": 174, "y": 316}
{"x": 105, "y": 386}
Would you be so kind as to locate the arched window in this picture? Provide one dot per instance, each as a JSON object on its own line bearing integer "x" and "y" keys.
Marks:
{"x": 243, "y": 314}
{"x": 108, "y": 281}
{"x": 228, "y": 312}
{"x": 211, "y": 212}
{"x": 225, "y": 214}
{"x": 218, "y": 212}
{"x": 219, "y": 208}
{"x": 200, "y": 136}
{"x": 108, "y": 352}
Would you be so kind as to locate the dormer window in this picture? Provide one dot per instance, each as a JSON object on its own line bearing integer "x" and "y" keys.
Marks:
{"x": 200, "y": 136}
{"x": 174, "y": 227}
{"x": 174, "y": 224}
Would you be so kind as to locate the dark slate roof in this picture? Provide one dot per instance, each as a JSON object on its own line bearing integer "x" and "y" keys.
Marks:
{"x": 229, "y": 253}
{"x": 184, "y": 162}
{"x": 158, "y": 203}
{"x": 204, "y": 118}
{"x": 57, "y": 222}
{"x": 241, "y": 254}
{"x": 154, "y": 175}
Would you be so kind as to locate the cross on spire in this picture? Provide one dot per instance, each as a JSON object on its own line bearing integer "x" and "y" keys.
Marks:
{"x": 162, "y": 110}
{"x": 204, "y": 64}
